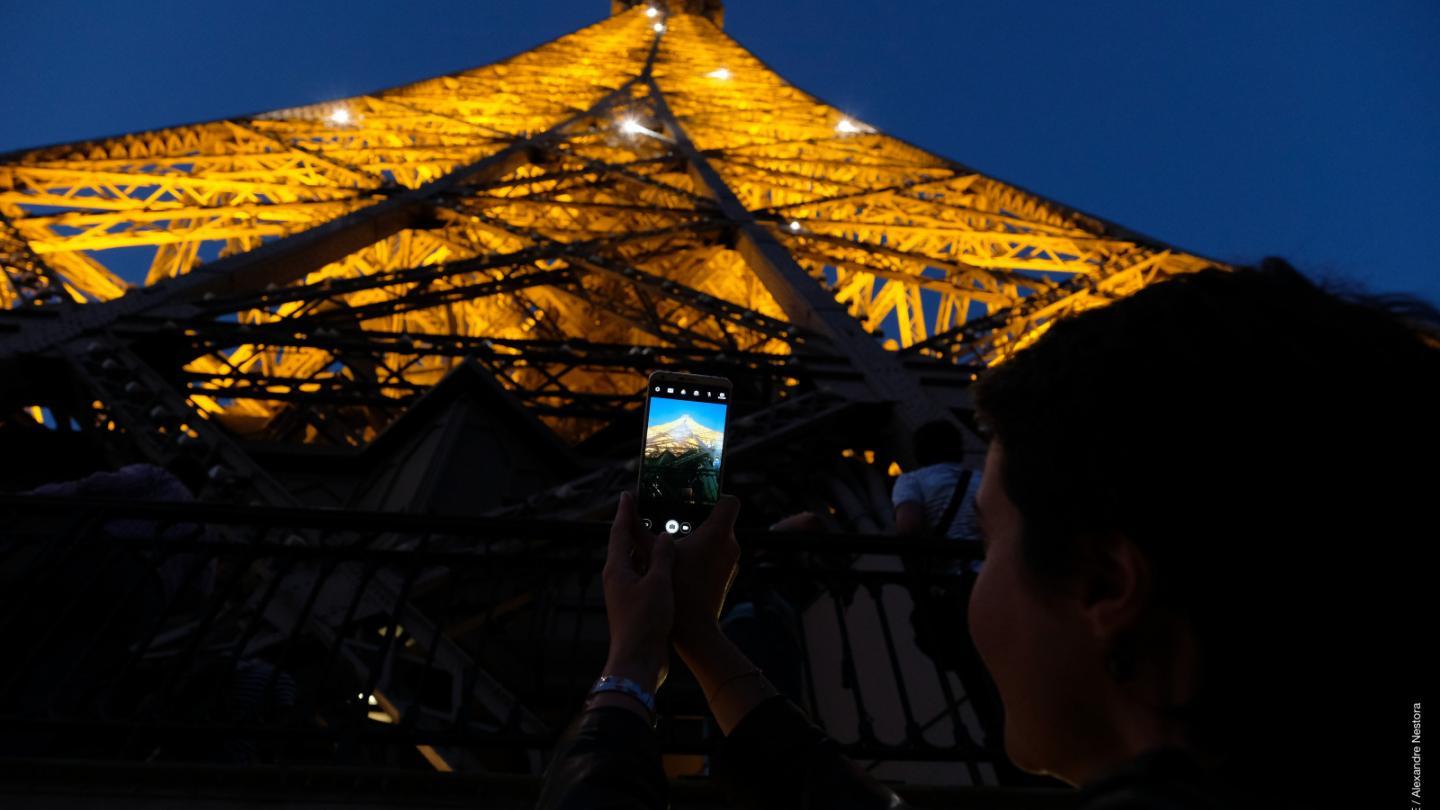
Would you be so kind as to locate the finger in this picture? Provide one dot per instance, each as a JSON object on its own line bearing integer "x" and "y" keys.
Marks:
{"x": 798, "y": 522}
{"x": 723, "y": 515}
{"x": 649, "y": 549}
{"x": 662, "y": 559}
{"x": 622, "y": 539}
{"x": 640, "y": 550}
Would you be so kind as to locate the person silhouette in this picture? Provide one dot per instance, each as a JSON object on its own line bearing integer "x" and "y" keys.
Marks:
{"x": 937, "y": 498}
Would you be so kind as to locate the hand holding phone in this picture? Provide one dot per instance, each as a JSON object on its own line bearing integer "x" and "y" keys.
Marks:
{"x": 639, "y": 598}
{"x": 703, "y": 569}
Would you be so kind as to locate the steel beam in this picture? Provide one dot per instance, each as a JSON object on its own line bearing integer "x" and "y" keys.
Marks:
{"x": 292, "y": 257}
{"x": 806, "y": 302}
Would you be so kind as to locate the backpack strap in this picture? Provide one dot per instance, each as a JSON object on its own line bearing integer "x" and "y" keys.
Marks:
{"x": 953, "y": 506}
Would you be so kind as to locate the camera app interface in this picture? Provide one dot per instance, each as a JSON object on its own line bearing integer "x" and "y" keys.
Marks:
{"x": 680, "y": 466}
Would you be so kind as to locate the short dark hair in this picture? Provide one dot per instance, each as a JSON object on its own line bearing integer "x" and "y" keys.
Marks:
{"x": 937, "y": 442}
{"x": 1272, "y": 445}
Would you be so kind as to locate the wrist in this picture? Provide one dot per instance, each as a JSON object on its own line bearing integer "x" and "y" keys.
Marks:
{"x": 642, "y": 668}
{"x": 620, "y": 701}
{"x": 623, "y": 692}
{"x": 693, "y": 641}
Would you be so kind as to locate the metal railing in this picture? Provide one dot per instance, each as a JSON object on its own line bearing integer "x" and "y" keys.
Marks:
{"x": 166, "y": 632}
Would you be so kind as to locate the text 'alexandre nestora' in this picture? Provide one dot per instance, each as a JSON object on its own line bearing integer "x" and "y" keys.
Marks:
{"x": 1415, "y": 758}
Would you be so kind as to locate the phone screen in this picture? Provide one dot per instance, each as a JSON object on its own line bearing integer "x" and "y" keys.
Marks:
{"x": 683, "y": 450}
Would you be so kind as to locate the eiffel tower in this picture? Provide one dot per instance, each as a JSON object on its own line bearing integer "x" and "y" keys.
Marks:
{"x": 445, "y": 297}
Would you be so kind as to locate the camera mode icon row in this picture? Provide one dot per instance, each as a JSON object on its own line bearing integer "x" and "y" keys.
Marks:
{"x": 696, "y": 392}
{"x": 672, "y": 526}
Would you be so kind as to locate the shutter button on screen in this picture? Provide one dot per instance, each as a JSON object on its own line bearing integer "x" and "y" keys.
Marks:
{"x": 672, "y": 526}
{"x": 684, "y": 528}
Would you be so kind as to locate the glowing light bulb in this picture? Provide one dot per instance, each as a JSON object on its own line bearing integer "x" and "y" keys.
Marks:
{"x": 651, "y": 11}
{"x": 846, "y": 126}
{"x": 631, "y": 127}
{"x": 659, "y": 27}
{"x": 340, "y": 116}
{"x": 723, "y": 74}
{"x": 794, "y": 226}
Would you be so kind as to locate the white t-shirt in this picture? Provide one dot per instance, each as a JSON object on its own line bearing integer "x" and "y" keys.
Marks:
{"x": 932, "y": 488}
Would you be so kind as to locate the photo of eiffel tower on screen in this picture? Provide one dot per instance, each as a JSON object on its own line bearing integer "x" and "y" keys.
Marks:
{"x": 682, "y": 451}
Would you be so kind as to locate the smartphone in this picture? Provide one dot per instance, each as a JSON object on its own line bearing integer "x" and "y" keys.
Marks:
{"x": 682, "y": 450}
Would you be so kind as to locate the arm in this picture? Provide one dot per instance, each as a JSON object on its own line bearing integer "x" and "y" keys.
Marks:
{"x": 773, "y": 756}
{"x": 725, "y": 676}
{"x": 909, "y": 519}
{"x": 909, "y": 500}
{"x": 910, "y": 522}
{"x": 609, "y": 758}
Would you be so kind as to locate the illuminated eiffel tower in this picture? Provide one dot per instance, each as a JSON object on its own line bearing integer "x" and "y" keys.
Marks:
{"x": 446, "y": 296}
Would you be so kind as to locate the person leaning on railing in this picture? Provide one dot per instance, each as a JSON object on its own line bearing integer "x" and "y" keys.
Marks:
{"x": 1203, "y": 506}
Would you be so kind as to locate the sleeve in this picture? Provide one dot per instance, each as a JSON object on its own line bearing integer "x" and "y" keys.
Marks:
{"x": 607, "y": 759}
{"x": 776, "y": 758}
{"x": 907, "y": 490}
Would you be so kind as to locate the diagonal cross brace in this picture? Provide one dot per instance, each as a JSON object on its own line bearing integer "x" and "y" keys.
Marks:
{"x": 805, "y": 301}
{"x": 292, "y": 257}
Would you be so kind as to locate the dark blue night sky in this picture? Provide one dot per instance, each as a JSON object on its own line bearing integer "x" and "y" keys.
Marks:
{"x": 1231, "y": 128}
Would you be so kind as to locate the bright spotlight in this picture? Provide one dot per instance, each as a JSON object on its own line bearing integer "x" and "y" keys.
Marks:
{"x": 847, "y": 127}
{"x": 651, "y": 11}
{"x": 340, "y": 116}
{"x": 659, "y": 27}
{"x": 632, "y": 127}
{"x": 794, "y": 226}
{"x": 723, "y": 74}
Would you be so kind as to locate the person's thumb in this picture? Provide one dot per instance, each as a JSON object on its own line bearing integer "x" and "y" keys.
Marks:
{"x": 726, "y": 508}
{"x": 662, "y": 557}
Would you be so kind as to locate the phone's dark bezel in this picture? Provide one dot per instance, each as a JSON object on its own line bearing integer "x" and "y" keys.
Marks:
{"x": 694, "y": 515}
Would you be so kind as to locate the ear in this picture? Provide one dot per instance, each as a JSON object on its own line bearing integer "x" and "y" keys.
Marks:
{"x": 1114, "y": 584}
